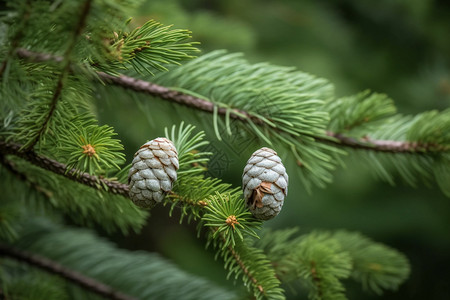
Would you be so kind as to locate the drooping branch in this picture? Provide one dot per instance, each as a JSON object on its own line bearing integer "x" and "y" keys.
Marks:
{"x": 57, "y": 269}
{"x": 56, "y": 167}
{"x": 338, "y": 139}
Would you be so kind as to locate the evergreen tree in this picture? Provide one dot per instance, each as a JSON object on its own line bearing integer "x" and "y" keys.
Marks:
{"x": 61, "y": 61}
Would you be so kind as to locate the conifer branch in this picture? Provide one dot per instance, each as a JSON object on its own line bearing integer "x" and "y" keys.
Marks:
{"x": 66, "y": 68}
{"x": 55, "y": 268}
{"x": 38, "y": 57}
{"x": 113, "y": 187}
{"x": 387, "y": 146}
{"x": 338, "y": 139}
{"x": 245, "y": 269}
{"x": 165, "y": 93}
{"x": 56, "y": 167}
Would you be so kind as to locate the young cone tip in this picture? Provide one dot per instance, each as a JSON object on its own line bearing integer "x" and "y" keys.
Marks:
{"x": 153, "y": 172}
{"x": 265, "y": 184}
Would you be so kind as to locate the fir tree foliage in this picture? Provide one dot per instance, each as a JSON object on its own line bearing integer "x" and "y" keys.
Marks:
{"x": 222, "y": 213}
{"x": 192, "y": 162}
{"x": 230, "y": 218}
{"x": 277, "y": 104}
{"x": 84, "y": 205}
{"x": 33, "y": 284}
{"x": 376, "y": 266}
{"x": 414, "y": 148}
{"x": 359, "y": 114}
{"x": 152, "y": 46}
{"x": 321, "y": 260}
{"x": 299, "y": 111}
{"x": 90, "y": 148}
{"x": 254, "y": 267}
{"x": 61, "y": 163}
{"x": 190, "y": 159}
{"x": 142, "y": 275}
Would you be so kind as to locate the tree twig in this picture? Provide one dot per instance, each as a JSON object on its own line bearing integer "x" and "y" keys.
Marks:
{"x": 165, "y": 93}
{"x": 387, "y": 146}
{"x": 338, "y": 139}
{"x": 56, "y": 167}
{"x": 55, "y": 268}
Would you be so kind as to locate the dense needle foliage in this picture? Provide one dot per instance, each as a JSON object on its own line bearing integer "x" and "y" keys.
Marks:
{"x": 63, "y": 62}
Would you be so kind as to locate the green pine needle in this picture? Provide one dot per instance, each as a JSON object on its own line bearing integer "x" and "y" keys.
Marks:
{"x": 230, "y": 219}
{"x": 191, "y": 160}
{"x": 90, "y": 148}
{"x": 321, "y": 260}
{"x": 152, "y": 46}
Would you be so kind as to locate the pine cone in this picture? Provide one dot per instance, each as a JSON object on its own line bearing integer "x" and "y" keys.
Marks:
{"x": 153, "y": 171}
{"x": 265, "y": 184}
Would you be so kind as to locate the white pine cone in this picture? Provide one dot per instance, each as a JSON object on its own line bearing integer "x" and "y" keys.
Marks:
{"x": 265, "y": 184}
{"x": 153, "y": 171}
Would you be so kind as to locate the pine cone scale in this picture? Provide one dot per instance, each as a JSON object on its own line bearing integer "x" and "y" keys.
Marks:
{"x": 281, "y": 182}
{"x": 255, "y": 171}
{"x": 148, "y": 174}
{"x": 171, "y": 172}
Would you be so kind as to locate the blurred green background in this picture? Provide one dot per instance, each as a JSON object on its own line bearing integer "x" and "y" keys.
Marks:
{"x": 397, "y": 47}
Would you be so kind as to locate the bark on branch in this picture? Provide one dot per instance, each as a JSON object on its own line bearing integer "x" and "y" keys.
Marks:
{"x": 338, "y": 139}
{"x": 56, "y": 167}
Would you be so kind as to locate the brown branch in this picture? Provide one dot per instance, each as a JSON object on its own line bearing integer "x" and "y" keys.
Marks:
{"x": 92, "y": 181}
{"x": 165, "y": 93}
{"x": 386, "y": 146}
{"x": 56, "y": 167}
{"x": 66, "y": 68}
{"x": 338, "y": 139}
{"x": 38, "y": 57}
{"x": 55, "y": 268}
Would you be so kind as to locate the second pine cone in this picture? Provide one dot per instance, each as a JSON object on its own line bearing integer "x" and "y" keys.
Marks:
{"x": 265, "y": 184}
